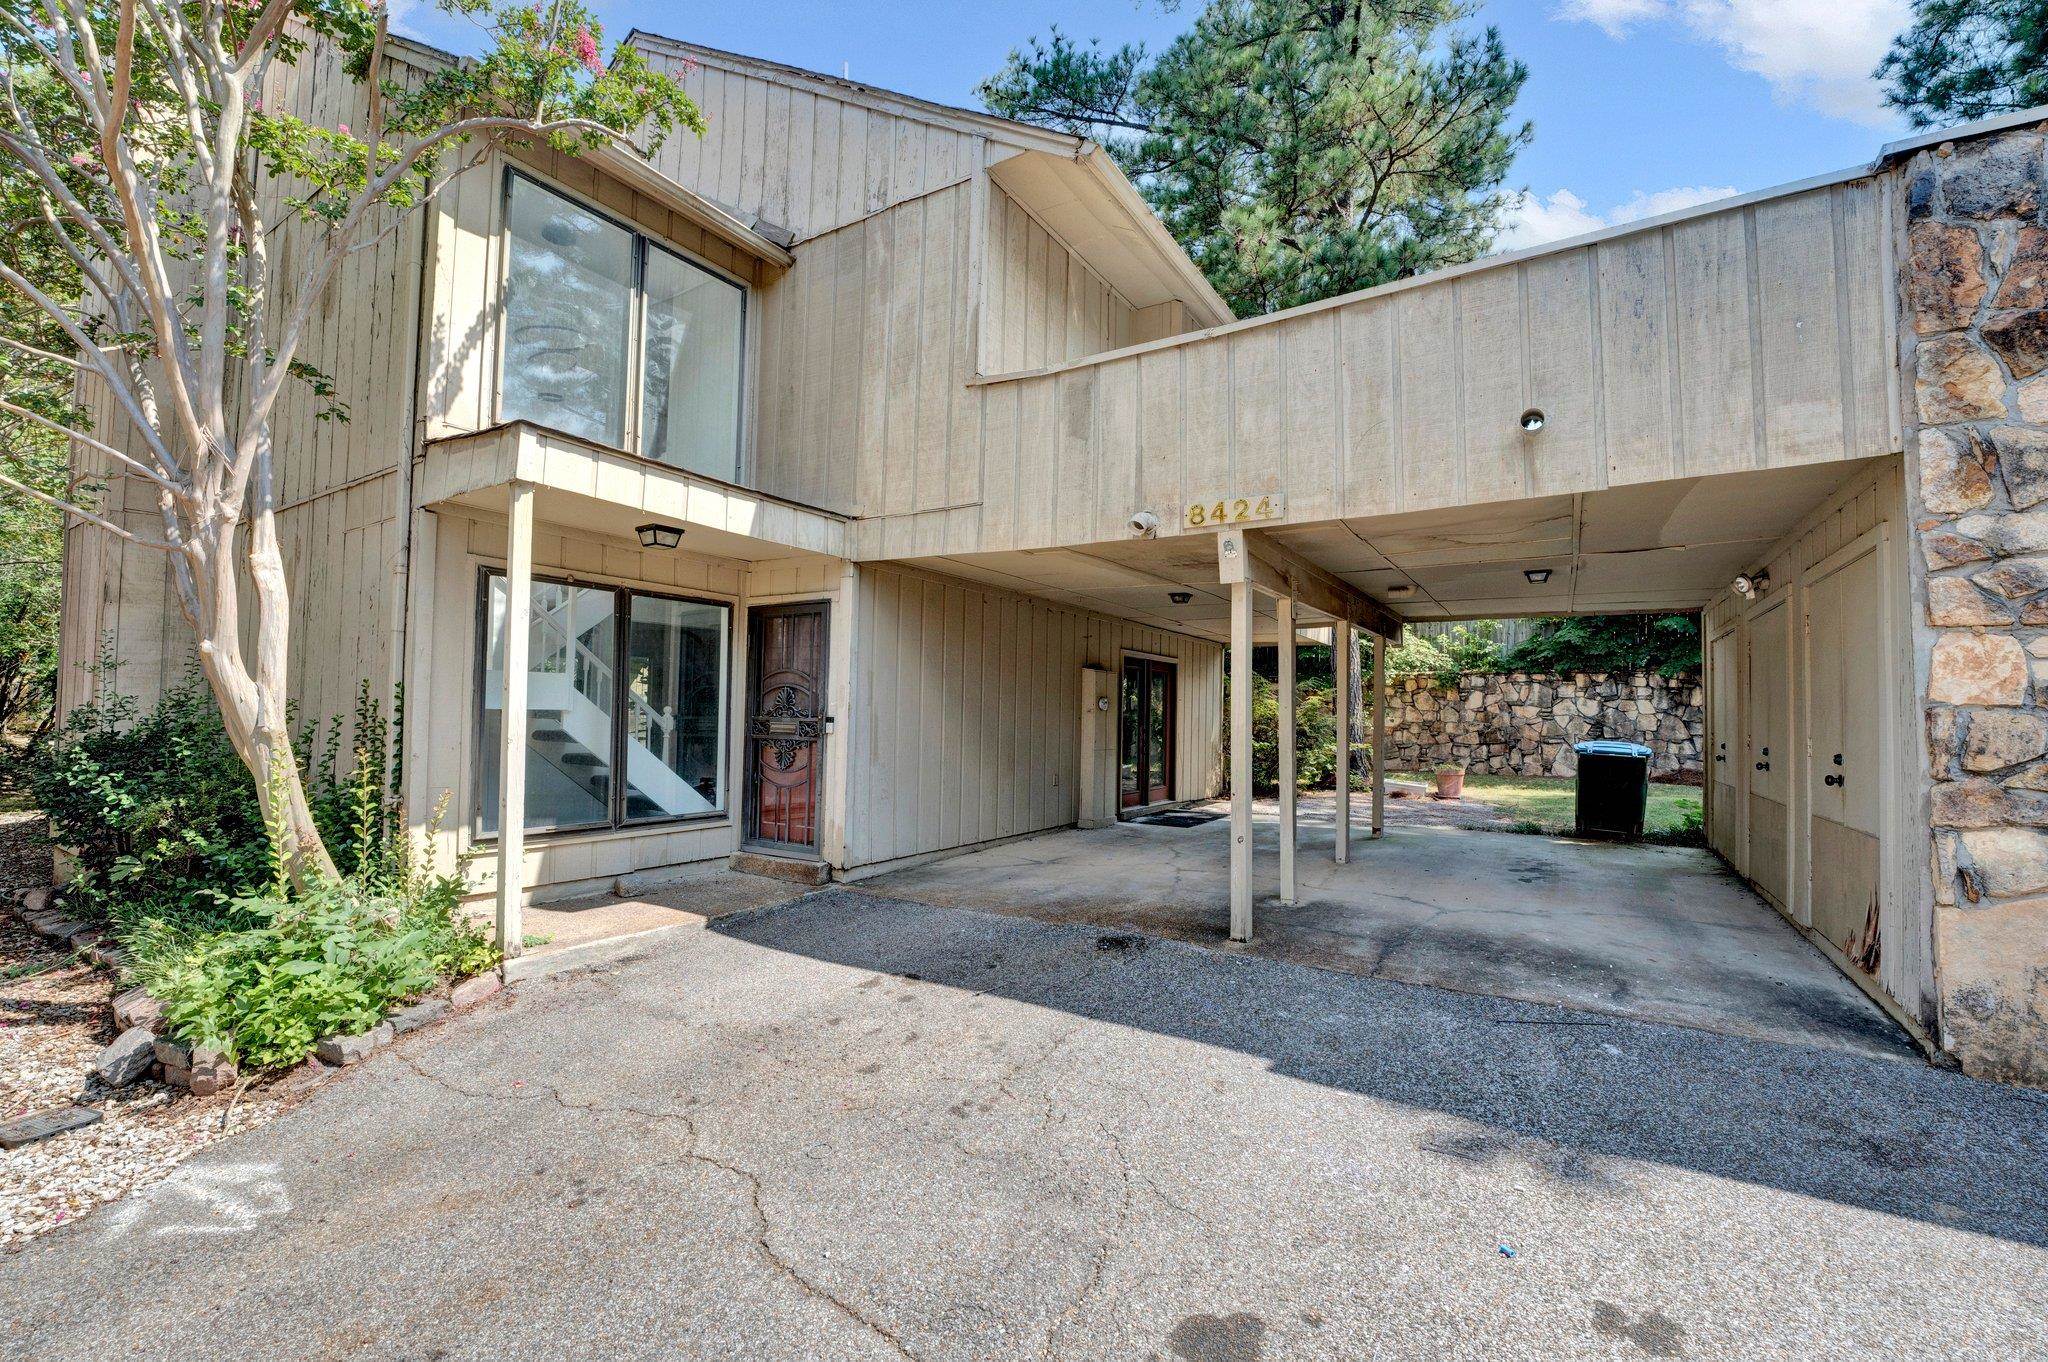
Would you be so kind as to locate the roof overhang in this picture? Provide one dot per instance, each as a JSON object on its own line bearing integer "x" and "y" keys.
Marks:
{"x": 606, "y": 492}
{"x": 1085, "y": 200}
{"x": 631, "y": 169}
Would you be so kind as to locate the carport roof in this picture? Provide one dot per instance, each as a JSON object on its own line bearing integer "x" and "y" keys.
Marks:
{"x": 1642, "y": 547}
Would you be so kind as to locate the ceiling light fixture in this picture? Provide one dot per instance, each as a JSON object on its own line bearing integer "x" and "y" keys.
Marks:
{"x": 1180, "y": 597}
{"x": 653, "y": 536}
{"x": 1401, "y": 589}
{"x": 1532, "y": 420}
{"x": 1536, "y": 576}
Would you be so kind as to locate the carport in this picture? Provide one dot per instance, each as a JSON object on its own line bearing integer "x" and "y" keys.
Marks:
{"x": 1532, "y": 917}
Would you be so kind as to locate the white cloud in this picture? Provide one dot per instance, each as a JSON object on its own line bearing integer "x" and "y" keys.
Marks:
{"x": 1614, "y": 16}
{"x": 1817, "y": 52}
{"x": 1531, "y": 221}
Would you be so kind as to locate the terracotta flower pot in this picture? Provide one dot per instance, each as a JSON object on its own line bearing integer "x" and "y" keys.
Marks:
{"x": 1450, "y": 784}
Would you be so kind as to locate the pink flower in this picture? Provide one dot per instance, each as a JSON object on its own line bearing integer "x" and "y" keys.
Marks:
{"x": 81, "y": 160}
{"x": 586, "y": 51}
{"x": 342, "y": 129}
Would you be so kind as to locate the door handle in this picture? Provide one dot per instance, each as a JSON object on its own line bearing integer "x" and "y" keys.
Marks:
{"x": 1763, "y": 766}
{"x": 1831, "y": 780}
{"x": 1838, "y": 758}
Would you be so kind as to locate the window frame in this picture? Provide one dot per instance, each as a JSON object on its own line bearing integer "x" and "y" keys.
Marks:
{"x": 636, "y": 326}
{"x": 615, "y": 820}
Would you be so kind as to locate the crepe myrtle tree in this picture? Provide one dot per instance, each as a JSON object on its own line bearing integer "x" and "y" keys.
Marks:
{"x": 135, "y": 141}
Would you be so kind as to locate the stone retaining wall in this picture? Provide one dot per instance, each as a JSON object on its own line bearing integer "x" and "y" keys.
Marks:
{"x": 1524, "y": 724}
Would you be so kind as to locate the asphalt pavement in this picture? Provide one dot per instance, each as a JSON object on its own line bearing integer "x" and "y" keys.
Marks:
{"x": 852, "y": 1127}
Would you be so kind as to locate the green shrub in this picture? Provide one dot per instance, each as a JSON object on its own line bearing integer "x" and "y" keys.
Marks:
{"x": 155, "y": 808}
{"x": 1666, "y": 644}
{"x": 1444, "y": 657}
{"x": 1315, "y": 737}
{"x": 333, "y": 961}
{"x": 170, "y": 847}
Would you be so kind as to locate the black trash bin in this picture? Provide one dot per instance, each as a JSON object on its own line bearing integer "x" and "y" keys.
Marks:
{"x": 1613, "y": 789}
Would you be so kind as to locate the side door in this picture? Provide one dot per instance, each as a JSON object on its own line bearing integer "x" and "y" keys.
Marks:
{"x": 1724, "y": 765}
{"x": 1769, "y": 752}
{"x": 1847, "y": 671}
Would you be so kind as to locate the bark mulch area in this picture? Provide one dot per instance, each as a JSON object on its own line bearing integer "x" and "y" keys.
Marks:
{"x": 54, "y": 1019}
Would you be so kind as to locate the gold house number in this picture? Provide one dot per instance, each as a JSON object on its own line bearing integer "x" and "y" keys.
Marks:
{"x": 1234, "y": 511}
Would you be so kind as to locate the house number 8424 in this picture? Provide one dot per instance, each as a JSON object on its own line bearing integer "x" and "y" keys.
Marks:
{"x": 1233, "y": 511}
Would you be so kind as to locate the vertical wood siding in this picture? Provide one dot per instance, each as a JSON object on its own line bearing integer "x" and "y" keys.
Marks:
{"x": 798, "y": 156}
{"x": 867, "y": 346}
{"x": 1754, "y": 337}
{"x": 1045, "y": 305}
{"x": 968, "y": 709}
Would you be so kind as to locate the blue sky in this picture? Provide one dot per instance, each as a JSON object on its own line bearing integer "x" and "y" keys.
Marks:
{"x": 1639, "y": 105}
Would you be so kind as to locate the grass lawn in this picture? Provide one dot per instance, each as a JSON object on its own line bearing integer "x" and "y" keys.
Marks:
{"x": 1547, "y": 801}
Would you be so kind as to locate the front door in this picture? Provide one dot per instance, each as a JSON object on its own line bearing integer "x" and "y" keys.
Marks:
{"x": 1145, "y": 737}
{"x": 785, "y": 721}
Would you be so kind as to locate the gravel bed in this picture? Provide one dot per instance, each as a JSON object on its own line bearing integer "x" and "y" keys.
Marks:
{"x": 53, "y": 1022}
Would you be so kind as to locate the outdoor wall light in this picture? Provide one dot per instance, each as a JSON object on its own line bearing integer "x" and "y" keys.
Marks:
{"x": 1180, "y": 597}
{"x": 653, "y": 536}
{"x": 1532, "y": 420}
{"x": 1750, "y": 585}
{"x": 1536, "y": 576}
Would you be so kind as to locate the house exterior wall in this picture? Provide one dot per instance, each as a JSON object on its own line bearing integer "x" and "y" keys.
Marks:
{"x": 1045, "y": 304}
{"x": 1755, "y": 336}
{"x": 804, "y": 151}
{"x": 1767, "y": 833}
{"x": 867, "y": 346}
{"x": 1974, "y": 301}
{"x": 966, "y": 712}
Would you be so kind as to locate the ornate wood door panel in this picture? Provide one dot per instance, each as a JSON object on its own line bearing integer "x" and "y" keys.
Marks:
{"x": 785, "y": 723}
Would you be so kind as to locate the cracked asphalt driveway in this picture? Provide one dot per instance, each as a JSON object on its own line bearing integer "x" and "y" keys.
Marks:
{"x": 853, "y": 1127}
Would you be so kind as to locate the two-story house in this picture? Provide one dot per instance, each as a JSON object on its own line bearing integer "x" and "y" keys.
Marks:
{"x": 870, "y": 479}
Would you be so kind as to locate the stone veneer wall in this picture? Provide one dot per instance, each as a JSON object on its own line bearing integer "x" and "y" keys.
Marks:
{"x": 1523, "y": 724}
{"x": 1974, "y": 294}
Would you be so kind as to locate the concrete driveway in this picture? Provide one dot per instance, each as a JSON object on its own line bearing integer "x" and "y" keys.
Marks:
{"x": 1647, "y": 932}
{"x": 852, "y": 1127}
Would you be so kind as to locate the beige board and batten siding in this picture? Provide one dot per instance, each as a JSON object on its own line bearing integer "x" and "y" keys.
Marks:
{"x": 1775, "y": 652}
{"x": 1747, "y": 337}
{"x": 1045, "y": 305}
{"x": 867, "y": 348}
{"x": 810, "y": 153}
{"x": 968, "y": 714}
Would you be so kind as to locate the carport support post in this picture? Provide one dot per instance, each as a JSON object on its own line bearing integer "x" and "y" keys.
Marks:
{"x": 1343, "y": 656}
{"x": 1380, "y": 644}
{"x": 1240, "y": 761}
{"x": 1284, "y": 608}
{"x": 512, "y": 729}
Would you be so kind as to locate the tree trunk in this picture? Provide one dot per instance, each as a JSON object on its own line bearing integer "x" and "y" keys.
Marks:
{"x": 253, "y": 706}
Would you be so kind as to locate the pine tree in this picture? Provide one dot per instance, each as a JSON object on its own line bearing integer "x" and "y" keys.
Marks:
{"x": 1968, "y": 59}
{"x": 1297, "y": 149}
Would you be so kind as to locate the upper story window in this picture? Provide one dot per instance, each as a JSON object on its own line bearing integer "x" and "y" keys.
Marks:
{"x": 613, "y": 337}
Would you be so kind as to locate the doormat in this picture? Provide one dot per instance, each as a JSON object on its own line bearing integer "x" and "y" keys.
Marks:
{"x": 1178, "y": 820}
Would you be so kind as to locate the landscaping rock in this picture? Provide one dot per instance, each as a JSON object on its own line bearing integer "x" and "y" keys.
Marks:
{"x": 34, "y": 901}
{"x": 135, "y": 1007}
{"x": 341, "y": 1051}
{"x": 173, "y": 1053}
{"x": 211, "y": 1072}
{"x": 128, "y": 1059}
{"x": 44, "y": 1124}
{"x": 422, "y": 1013}
{"x": 470, "y": 992}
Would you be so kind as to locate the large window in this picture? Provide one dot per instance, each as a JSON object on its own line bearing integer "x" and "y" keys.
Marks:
{"x": 625, "y": 707}
{"x": 614, "y": 338}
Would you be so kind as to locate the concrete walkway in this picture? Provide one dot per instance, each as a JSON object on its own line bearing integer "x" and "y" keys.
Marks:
{"x": 1656, "y": 933}
{"x": 849, "y": 1128}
